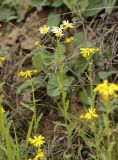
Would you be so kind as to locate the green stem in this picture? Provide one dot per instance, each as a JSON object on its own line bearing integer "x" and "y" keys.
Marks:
{"x": 61, "y": 81}
{"x": 108, "y": 132}
{"x": 34, "y": 105}
{"x": 91, "y": 82}
{"x": 94, "y": 130}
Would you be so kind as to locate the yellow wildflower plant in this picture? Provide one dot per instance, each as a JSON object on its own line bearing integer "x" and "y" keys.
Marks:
{"x": 37, "y": 141}
{"x": 39, "y": 155}
{"x": 44, "y": 29}
{"x": 90, "y": 114}
{"x": 27, "y": 73}
{"x": 86, "y": 52}
{"x": 67, "y": 24}
{"x": 107, "y": 90}
{"x": 58, "y": 31}
{"x": 2, "y": 59}
{"x": 69, "y": 40}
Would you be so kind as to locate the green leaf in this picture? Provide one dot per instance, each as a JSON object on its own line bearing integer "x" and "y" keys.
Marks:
{"x": 84, "y": 97}
{"x": 28, "y": 106}
{"x": 6, "y": 13}
{"x": 110, "y": 5}
{"x": 41, "y": 59}
{"x": 80, "y": 65}
{"x": 36, "y": 3}
{"x": 53, "y": 89}
{"x": 69, "y": 4}
{"x": 57, "y": 3}
{"x": 83, "y": 4}
{"x": 77, "y": 39}
{"x": 53, "y": 19}
{"x": 36, "y": 82}
{"x": 104, "y": 75}
{"x": 94, "y": 7}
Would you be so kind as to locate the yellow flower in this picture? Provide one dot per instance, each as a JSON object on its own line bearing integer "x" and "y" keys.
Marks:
{"x": 107, "y": 90}
{"x": 86, "y": 52}
{"x": 40, "y": 154}
{"x": 90, "y": 114}
{"x": 69, "y": 39}
{"x": 2, "y": 110}
{"x": 35, "y": 71}
{"x": 82, "y": 116}
{"x": 58, "y": 31}
{"x": 37, "y": 140}
{"x": 44, "y": 30}
{"x": 27, "y": 73}
{"x": 37, "y": 43}
{"x": 2, "y": 59}
{"x": 67, "y": 24}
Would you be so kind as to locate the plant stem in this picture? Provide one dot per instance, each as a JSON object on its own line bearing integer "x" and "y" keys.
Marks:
{"x": 61, "y": 81}
{"x": 34, "y": 105}
{"x": 91, "y": 82}
{"x": 108, "y": 132}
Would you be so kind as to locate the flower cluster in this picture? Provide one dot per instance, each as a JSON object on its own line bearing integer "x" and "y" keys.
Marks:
{"x": 107, "y": 90}
{"x": 27, "y": 73}
{"x": 90, "y": 114}
{"x": 58, "y": 31}
{"x": 38, "y": 141}
{"x": 86, "y": 52}
{"x": 2, "y": 59}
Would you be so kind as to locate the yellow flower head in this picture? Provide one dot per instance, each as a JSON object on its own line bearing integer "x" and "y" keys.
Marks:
{"x": 35, "y": 71}
{"x": 58, "y": 31}
{"x": 90, "y": 114}
{"x": 40, "y": 154}
{"x": 37, "y": 43}
{"x": 27, "y": 73}
{"x": 44, "y": 29}
{"x": 107, "y": 90}
{"x": 69, "y": 40}
{"x": 2, "y": 59}
{"x": 2, "y": 110}
{"x": 82, "y": 116}
{"x": 86, "y": 52}
{"x": 37, "y": 141}
{"x": 67, "y": 24}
